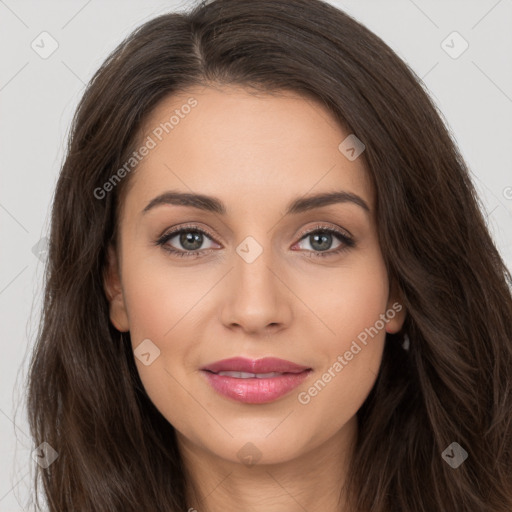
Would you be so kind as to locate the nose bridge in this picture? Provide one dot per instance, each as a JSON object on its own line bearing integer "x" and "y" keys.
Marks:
{"x": 256, "y": 296}
{"x": 253, "y": 261}
{"x": 254, "y": 251}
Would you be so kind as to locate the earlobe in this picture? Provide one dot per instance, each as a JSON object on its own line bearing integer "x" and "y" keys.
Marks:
{"x": 395, "y": 311}
{"x": 114, "y": 292}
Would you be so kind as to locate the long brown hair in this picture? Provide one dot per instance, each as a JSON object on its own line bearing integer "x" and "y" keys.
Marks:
{"x": 116, "y": 452}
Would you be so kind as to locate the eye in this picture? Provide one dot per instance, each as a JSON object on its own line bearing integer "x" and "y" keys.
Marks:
{"x": 320, "y": 239}
{"x": 191, "y": 238}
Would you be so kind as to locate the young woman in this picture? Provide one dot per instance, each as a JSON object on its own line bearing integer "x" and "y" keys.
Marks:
{"x": 269, "y": 284}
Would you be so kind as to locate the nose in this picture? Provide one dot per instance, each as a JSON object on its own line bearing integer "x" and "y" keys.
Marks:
{"x": 257, "y": 300}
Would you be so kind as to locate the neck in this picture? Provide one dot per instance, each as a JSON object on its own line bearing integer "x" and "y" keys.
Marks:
{"x": 312, "y": 481}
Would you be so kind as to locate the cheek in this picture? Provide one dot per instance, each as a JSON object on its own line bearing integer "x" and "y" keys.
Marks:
{"x": 164, "y": 306}
{"x": 347, "y": 299}
{"x": 158, "y": 296}
{"x": 160, "y": 301}
{"x": 351, "y": 307}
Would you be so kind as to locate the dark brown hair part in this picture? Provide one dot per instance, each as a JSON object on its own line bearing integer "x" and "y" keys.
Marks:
{"x": 454, "y": 384}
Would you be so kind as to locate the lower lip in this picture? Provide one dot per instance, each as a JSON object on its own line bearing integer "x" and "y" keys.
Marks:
{"x": 253, "y": 390}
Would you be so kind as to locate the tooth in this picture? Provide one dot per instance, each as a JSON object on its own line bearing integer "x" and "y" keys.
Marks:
{"x": 246, "y": 375}
{"x": 238, "y": 375}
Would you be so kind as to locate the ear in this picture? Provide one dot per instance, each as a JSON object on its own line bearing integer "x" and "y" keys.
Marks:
{"x": 114, "y": 292}
{"x": 395, "y": 310}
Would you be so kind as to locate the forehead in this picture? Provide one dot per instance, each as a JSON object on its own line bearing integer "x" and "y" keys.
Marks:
{"x": 245, "y": 147}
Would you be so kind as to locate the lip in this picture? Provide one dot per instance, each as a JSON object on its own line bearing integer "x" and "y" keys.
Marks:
{"x": 264, "y": 365}
{"x": 255, "y": 390}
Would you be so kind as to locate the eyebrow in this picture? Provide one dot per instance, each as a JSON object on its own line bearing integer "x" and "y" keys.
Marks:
{"x": 215, "y": 205}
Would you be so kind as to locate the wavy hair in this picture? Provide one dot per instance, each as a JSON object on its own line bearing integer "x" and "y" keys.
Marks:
{"x": 116, "y": 452}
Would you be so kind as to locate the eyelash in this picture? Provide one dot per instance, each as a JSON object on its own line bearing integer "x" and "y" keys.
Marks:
{"x": 347, "y": 241}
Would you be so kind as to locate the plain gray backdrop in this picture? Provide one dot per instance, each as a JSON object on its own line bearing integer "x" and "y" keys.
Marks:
{"x": 38, "y": 94}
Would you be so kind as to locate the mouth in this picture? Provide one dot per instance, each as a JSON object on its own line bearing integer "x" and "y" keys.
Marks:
{"x": 248, "y": 375}
{"x": 269, "y": 380}
{"x": 255, "y": 367}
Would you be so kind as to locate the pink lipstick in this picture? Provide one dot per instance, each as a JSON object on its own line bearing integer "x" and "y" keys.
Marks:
{"x": 255, "y": 381}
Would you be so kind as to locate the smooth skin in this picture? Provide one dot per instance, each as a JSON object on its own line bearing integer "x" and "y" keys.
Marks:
{"x": 256, "y": 153}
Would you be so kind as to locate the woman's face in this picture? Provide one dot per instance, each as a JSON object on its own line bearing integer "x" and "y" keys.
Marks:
{"x": 260, "y": 286}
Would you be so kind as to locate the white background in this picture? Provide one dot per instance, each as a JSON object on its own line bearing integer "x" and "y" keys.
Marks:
{"x": 38, "y": 97}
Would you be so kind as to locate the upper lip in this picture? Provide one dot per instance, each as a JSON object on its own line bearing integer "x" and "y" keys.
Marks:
{"x": 264, "y": 365}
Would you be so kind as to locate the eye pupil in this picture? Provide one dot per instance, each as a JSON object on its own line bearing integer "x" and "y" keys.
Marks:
{"x": 191, "y": 237}
{"x": 326, "y": 240}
